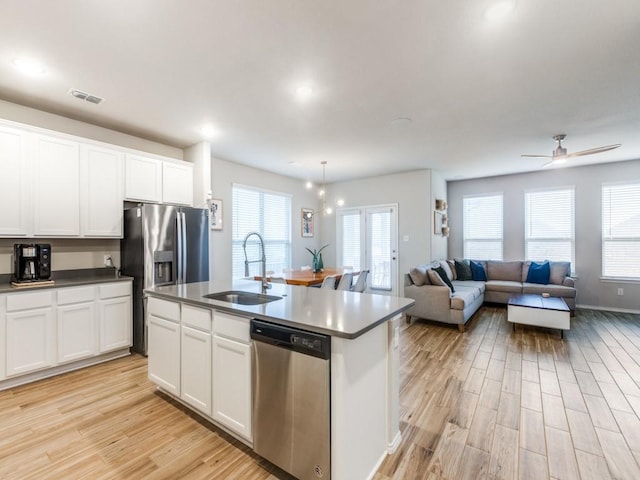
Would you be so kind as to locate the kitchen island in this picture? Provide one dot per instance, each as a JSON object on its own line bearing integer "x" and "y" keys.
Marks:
{"x": 200, "y": 352}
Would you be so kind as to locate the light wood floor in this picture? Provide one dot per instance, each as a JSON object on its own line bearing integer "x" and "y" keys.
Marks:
{"x": 489, "y": 403}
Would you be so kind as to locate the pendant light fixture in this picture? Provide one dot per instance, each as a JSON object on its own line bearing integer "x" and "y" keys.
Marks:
{"x": 326, "y": 210}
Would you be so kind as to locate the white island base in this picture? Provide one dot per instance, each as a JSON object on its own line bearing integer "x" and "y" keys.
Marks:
{"x": 364, "y": 401}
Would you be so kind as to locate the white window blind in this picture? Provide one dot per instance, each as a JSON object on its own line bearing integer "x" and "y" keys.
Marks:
{"x": 549, "y": 225}
{"x": 482, "y": 225}
{"x": 268, "y": 213}
{"x": 379, "y": 224}
{"x": 621, "y": 230}
{"x": 351, "y": 239}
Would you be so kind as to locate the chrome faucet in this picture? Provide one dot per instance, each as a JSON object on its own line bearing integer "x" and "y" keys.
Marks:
{"x": 265, "y": 285}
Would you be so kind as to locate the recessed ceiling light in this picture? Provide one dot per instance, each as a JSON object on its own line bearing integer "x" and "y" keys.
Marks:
{"x": 309, "y": 185}
{"x": 208, "y": 131}
{"x": 29, "y": 67}
{"x": 401, "y": 122}
{"x": 499, "y": 10}
{"x": 304, "y": 92}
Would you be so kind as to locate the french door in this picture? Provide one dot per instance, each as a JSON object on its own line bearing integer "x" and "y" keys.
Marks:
{"x": 367, "y": 240}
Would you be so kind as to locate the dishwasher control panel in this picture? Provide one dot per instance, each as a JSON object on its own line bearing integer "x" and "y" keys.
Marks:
{"x": 301, "y": 341}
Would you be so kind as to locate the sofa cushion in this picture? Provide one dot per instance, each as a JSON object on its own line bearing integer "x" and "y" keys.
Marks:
{"x": 477, "y": 292}
{"x": 510, "y": 271}
{"x": 418, "y": 275}
{"x": 447, "y": 269}
{"x": 505, "y": 286}
{"x": 538, "y": 273}
{"x": 551, "y": 289}
{"x": 463, "y": 270}
{"x": 469, "y": 283}
{"x": 461, "y": 298}
{"x": 436, "y": 279}
{"x": 559, "y": 271}
{"x": 477, "y": 271}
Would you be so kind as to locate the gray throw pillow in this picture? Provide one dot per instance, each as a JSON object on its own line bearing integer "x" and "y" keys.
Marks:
{"x": 437, "y": 279}
{"x": 418, "y": 275}
{"x": 463, "y": 269}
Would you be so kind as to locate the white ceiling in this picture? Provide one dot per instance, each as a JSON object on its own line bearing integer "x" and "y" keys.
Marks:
{"x": 479, "y": 94}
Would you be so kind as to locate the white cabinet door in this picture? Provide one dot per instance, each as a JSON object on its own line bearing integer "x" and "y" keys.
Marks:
{"x": 163, "y": 349}
{"x": 177, "y": 183}
{"x": 56, "y": 187}
{"x": 14, "y": 195}
{"x": 143, "y": 179}
{"x": 76, "y": 332}
{"x": 196, "y": 369}
{"x": 232, "y": 385}
{"x": 102, "y": 192}
{"x": 30, "y": 340}
{"x": 116, "y": 327}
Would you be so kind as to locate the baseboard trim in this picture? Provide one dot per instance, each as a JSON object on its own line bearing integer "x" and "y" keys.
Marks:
{"x": 393, "y": 446}
{"x": 609, "y": 309}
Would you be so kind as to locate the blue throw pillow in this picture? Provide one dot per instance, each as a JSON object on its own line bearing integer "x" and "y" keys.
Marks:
{"x": 539, "y": 273}
{"x": 477, "y": 272}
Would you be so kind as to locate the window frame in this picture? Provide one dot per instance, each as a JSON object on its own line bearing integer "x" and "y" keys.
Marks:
{"x": 571, "y": 239}
{"x": 465, "y": 239}
{"x": 605, "y": 238}
{"x": 237, "y": 242}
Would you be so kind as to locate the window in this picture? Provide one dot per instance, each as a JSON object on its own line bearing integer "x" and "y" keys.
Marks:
{"x": 549, "y": 225}
{"x": 482, "y": 219}
{"x": 349, "y": 238}
{"x": 621, "y": 230}
{"x": 268, "y": 213}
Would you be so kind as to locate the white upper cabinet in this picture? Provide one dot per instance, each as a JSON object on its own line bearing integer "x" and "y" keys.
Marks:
{"x": 143, "y": 179}
{"x": 177, "y": 183}
{"x": 101, "y": 191}
{"x": 14, "y": 197}
{"x": 56, "y": 187}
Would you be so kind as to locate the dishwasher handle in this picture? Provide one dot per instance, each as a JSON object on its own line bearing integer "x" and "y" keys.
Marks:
{"x": 300, "y": 341}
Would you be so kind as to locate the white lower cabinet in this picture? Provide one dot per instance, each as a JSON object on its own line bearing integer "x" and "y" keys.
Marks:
{"x": 76, "y": 332}
{"x": 196, "y": 369}
{"x": 30, "y": 341}
{"x": 115, "y": 316}
{"x": 232, "y": 385}
{"x": 163, "y": 350}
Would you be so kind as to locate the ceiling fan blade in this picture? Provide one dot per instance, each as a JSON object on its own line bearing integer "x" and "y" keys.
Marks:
{"x": 548, "y": 164}
{"x": 536, "y": 156}
{"x": 592, "y": 151}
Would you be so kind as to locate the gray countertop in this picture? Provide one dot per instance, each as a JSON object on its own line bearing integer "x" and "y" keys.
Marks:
{"x": 67, "y": 278}
{"x": 331, "y": 312}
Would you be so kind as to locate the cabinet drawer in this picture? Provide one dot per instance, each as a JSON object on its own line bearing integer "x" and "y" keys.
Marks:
{"x": 119, "y": 289}
{"x": 199, "y": 318}
{"x": 231, "y": 326}
{"x": 24, "y": 301}
{"x": 75, "y": 295}
{"x": 164, "y": 309}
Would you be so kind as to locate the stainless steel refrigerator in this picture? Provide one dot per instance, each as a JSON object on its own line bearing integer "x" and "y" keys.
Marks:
{"x": 162, "y": 245}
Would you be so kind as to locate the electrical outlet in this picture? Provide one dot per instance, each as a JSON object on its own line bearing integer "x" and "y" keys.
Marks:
{"x": 107, "y": 261}
{"x": 621, "y": 291}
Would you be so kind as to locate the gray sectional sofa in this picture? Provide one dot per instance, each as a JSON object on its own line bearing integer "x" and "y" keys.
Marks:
{"x": 504, "y": 279}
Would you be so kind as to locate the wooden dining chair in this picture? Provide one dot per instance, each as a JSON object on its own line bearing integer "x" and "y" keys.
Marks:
{"x": 345, "y": 281}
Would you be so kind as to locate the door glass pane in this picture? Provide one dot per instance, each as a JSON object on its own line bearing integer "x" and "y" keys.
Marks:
{"x": 351, "y": 238}
{"x": 380, "y": 248}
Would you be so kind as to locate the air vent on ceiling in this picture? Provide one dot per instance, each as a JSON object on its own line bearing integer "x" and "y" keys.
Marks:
{"x": 85, "y": 96}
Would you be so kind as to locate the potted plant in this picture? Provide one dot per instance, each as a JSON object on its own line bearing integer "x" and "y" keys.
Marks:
{"x": 317, "y": 263}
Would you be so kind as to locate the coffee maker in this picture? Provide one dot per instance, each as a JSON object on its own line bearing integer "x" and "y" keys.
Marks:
{"x": 31, "y": 262}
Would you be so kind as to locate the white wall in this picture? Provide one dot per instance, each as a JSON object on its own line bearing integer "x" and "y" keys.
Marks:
{"x": 411, "y": 191}
{"x": 438, "y": 191}
{"x": 223, "y": 175}
{"x": 587, "y": 180}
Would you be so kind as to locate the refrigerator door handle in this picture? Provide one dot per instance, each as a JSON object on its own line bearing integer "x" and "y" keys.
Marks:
{"x": 179, "y": 247}
{"x": 184, "y": 247}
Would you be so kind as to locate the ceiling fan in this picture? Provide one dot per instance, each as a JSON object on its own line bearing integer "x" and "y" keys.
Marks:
{"x": 560, "y": 155}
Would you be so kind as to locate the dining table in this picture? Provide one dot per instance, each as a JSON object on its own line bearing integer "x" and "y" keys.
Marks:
{"x": 307, "y": 278}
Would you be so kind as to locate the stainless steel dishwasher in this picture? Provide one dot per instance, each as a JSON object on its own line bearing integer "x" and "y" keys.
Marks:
{"x": 291, "y": 399}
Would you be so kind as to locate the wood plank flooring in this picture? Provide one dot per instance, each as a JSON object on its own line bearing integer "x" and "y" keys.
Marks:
{"x": 526, "y": 405}
{"x": 489, "y": 403}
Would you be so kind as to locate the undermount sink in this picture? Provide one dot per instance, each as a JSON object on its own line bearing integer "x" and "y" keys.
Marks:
{"x": 242, "y": 298}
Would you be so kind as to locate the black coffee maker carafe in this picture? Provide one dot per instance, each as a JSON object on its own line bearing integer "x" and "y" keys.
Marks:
{"x": 31, "y": 262}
